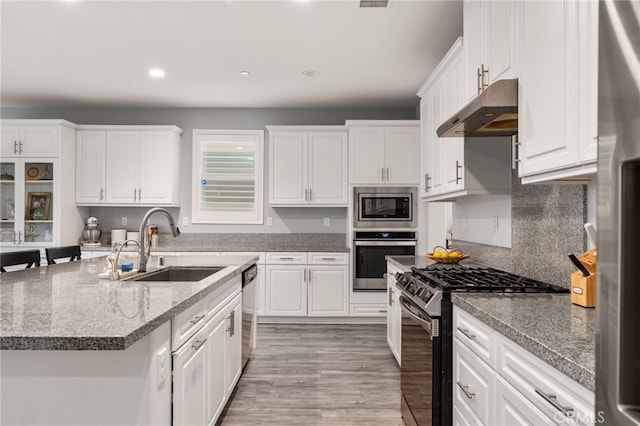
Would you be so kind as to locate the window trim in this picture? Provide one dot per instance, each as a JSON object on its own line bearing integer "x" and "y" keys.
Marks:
{"x": 197, "y": 214}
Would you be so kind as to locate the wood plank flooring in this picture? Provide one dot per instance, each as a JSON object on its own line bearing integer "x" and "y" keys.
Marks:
{"x": 308, "y": 374}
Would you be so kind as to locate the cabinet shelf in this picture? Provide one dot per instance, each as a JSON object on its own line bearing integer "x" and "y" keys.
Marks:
{"x": 38, "y": 221}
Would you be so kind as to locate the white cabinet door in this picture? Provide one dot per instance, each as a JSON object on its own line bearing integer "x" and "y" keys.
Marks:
{"x": 512, "y": 408}
{"x": 547, "y": 87}
{"x": 500, "y": 38}
{"x": 588, "y": 80}
{"x": 453, "y": 148}
{"x": 262, "y": 290}
{"x": 366, "y": 151}
{"x": 90, "y": 166}
{"x": 234, "y": 343}
{"x": 288, "y": 168}
{"x": 216, "y": 332}
{"x": 157, "y": 168}
{"x": 472, "y": 32}
{"x": 328, "y": 291}
{"x": 286, "y": 290}
{"x": 431, "y": 115}
{"x": 122, "y": 166}
{"x": 29, "y": 141}
{"x": 39, "y": 141}
{"x": 394, "y": 317}
{"x": 190, "y": 383}
{"x": 402, "y": 155}
{"x": 328, "y": 168}
{"x": 9, "y": 141}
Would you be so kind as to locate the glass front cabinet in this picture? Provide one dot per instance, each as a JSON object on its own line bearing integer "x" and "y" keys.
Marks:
{"x": 37, "y": 180}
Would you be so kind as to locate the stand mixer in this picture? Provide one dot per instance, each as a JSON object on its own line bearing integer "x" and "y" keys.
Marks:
{"x": 91, "y": 233}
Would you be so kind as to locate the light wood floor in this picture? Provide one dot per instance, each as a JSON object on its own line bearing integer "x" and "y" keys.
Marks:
{"x": 311, "y": 374}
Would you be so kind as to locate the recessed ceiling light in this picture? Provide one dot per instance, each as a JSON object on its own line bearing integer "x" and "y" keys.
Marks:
{"x": 244, "y": 73}
{"x": 311, "y": 73}
{"x": 156, "y": 72}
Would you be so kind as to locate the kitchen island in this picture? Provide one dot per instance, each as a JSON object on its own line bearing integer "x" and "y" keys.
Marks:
{"x": 77, "y": 349}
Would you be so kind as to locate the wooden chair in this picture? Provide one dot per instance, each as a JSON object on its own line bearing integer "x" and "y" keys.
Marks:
{"x": 30, "y": 257}
{"x": 72, "y": 252}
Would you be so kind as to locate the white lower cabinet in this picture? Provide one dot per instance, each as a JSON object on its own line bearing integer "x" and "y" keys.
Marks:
{"x": 304, "y": 284}
{"x": 207, "y": 366}
{"x": 498, "y": 382}
{"x": 394, "y": 314}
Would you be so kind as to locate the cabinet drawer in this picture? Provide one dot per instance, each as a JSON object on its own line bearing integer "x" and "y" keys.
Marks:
{"x": 546, "y": 387}
{"x": 286, "y": 258}
{"x": 472, "y": 382}
{"x": 477, "y": 336}
{"x": 368, "y": 310}
{"x": 512, "y": 408}
{"x": 187, "y": 323}
{"x": 260, "y": 254}
{"x": 319, "y": 258}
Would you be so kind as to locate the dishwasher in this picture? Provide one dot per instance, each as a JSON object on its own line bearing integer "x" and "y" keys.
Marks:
{"x": 249, "y": 277}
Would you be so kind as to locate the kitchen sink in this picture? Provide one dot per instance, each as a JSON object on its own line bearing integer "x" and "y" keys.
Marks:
{"x": 178, "y": 273}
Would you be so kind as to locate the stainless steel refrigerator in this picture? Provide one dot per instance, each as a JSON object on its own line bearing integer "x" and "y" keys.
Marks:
{"x": 618, "y": 209}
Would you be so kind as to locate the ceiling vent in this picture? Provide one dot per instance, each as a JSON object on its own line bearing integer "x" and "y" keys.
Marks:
{"x": 374, "y": 3}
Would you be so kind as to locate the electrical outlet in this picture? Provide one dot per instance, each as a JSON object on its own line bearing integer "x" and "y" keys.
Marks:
{"x": 123, "y": 221}
{"x": 269, "y": 221}
{"x": 163, "y": 365}
{"x": 185, "y": 220}
{"x": 327, "y": 221}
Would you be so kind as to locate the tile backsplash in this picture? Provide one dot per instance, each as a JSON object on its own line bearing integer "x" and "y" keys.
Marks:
{"x": 547, "y": 224}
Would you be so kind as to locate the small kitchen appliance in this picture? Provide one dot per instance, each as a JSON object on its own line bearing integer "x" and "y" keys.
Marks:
{"x": 426, "y": 372}
{"x": 91, "y": 233}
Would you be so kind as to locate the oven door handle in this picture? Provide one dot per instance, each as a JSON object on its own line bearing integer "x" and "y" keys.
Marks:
{"x": 410, "y": 310}
{"x": 385, "y": 243}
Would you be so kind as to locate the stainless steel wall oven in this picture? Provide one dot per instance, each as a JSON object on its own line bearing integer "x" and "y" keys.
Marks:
{"x": 369, "y": 251}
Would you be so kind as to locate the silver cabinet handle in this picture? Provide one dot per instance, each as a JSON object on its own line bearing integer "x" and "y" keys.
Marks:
{"x": 232, "y": 323}
{"x": 15, "y": 147}
{"x": 479, "y": 81}
{"x": 285, "y": 258}
{"x": 19, "y": 237}
{"x": 465, "y": 390}
{"x": 304, "y": 279}
{"x": 310, "y": 194}
{"x": 306, "y": 194}
{"x": 387, "y": 174}
{"x": 484, "y": 72}
{"x": 309, "y": 276}
{"x": 328, "y": 258}
{"x": 427, "y": 179}
{"x": 551, "y": 399}
{"x": 515, "y": 151}
{"x": 458, "y": 168}
{"x": 196, "y": 319}
{"x": 390, "y": 296}
{"x": 20, "y": 147}
{"x": 198, "y": 344}
{"x": 134, "y": 194}
{"x": 467, "y": 333}
{"x": 101, "y": 194}
{"x": 139, "y": 194}
{"x": 15, "y": 237}
{"x": 382, "y": 171}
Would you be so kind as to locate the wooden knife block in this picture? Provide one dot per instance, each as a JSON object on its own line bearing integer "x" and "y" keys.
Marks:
{"x": 583, "y": 289}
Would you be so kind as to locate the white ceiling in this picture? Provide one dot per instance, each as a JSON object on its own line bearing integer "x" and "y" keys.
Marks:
{"x": 98, "y": 53}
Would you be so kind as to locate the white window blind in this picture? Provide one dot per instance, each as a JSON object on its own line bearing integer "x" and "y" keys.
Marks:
{"x": 228, "y": 168}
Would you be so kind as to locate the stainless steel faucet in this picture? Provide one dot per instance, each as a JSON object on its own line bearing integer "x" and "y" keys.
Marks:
{"x": 142, "y": 259}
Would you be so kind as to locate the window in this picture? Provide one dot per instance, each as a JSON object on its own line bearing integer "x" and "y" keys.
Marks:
{"x": 228, "y": 176}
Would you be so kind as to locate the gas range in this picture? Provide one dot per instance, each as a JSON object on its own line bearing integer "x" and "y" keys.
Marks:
{"x": 427, "y": 287}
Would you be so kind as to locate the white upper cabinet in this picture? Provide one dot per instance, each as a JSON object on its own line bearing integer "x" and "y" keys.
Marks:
{"x": 455, "y": 167}
{"x": 307, "y": 166}
{"x": 557, "y": 91}
{"x": 128, "y": 165}
{"x": 29, "y": 141}
{"x": 491, "y": 43}
{"x": 384, "y": 152}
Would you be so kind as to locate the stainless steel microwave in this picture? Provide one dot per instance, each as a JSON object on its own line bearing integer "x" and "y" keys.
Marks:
{"x": 385, "y": 207}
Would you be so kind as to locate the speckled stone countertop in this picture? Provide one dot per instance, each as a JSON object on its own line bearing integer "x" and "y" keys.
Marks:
{"x": 246, "y": 242}
{"x": 548, "y": 325}
{"x": 68, "y": 307}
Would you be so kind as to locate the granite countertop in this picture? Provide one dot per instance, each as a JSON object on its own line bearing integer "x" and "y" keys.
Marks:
{"x": 548, "y": 325}
{"x": 244, "y": 242}
{"x": 68, "y": 307}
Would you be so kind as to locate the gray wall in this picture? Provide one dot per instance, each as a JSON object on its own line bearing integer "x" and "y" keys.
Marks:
{"x": 285, "y": 220}
{"x": 546, "y": 224}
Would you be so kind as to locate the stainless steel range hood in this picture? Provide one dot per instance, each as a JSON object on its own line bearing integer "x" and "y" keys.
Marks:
{"x": 494, "y": 112}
